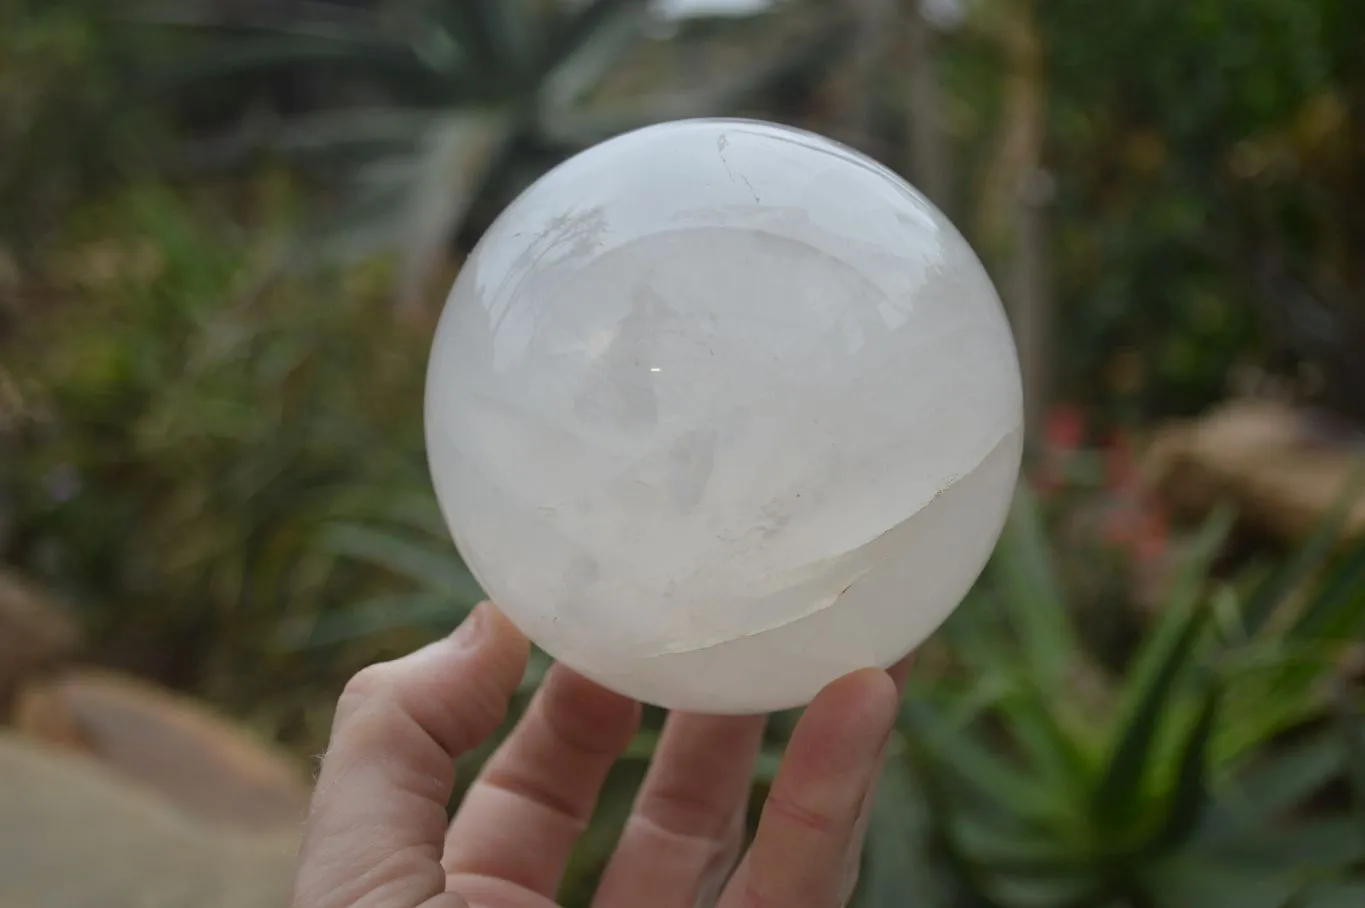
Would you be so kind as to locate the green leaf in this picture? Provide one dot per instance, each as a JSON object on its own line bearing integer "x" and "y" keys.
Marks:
{"x": 1309, "y": 558}
{"x": 1027, "y": 582}
{"x": 511, "y": 28}
{"x": 1334, "y": 895}
{"x": 1163, "y": 657}
{"x": 1337, "y": 609}
{"x": 413, "y": 204}
{"x": 377, "y": 615}
{"x": 329, "y": 21}
{"x": 459, "y": 150}
{"x": 1351, "y": 732}
{"x": 371, "y": 223}
{"x": 439, "y": 572}
{"x": 976, "y": 633}
{"x": 368, "y": 128}
{"x": 1189, "y": 795}
{"x": 469, "y": 25}
{"x": 1003, "y": 685}
{"x": 1261, "y": 706}
{"x": 384, "y": 58}
{"x": 1017, "y": 850}
{"x": 1314, "y": 845}
{"x": 1194, "y": 880}
{"x": 618, "y": 28}
{"x": 581, "y": 27}
{"x": 1031, "y": 892}
{"x": 328, "y": 139}
{"x": 1123, "y": 782}
{"x": 1051, "y": 750}
{"x": 1275, "y": 784}
{"x": 1204, "y": 548}
{"x": 581, "y": 127}
{"x": 957, "y": 755}
{"x": 898, "y": 865}
{"x": 417, "y": 510}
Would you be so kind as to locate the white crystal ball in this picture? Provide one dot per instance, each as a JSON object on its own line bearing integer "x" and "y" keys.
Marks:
{"x": 719, "y": 411}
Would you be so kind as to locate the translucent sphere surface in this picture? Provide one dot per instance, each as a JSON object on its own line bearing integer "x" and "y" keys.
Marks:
{"x": 719, "y": 411}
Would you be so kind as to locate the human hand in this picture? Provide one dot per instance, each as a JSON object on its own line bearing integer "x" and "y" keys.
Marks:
{"x": 377, "y": 835}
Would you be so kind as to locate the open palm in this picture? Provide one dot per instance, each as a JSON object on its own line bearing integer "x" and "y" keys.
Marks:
{"x": 377, "y": 835}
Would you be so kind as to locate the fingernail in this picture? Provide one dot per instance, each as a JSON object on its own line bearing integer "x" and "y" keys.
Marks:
{"x": 471, "y": 629}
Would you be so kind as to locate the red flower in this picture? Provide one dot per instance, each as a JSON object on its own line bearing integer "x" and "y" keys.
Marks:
{"x": 1063, "y": 434}
{"x": 1064, "y": 429}
{"x": 1137, "y": 528}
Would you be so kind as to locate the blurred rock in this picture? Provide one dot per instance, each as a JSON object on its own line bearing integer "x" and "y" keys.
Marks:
{"x": 1283, "y": 467}
{"x": 198, "y": 761}
{"x": 35, "y": 633}
{"x": 73, "y": 834}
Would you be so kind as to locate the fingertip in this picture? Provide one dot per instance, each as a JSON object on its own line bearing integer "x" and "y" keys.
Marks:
{"x": 883, "y": 699}
{"x": 486, "y": 627}
{"x": 502, "y": 626}
{"x": 601, "y": 711}
{"x": 867, "y": 689}
{"x": 863, "y": 704}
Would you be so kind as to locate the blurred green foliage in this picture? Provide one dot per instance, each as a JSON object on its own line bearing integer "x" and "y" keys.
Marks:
{"x": 220, "y": 461}
{"x": 1201, "y": 177}
{"x": 1057, "y": 783}
{"x": 1198, "y": 152}
{"x": 182, "y": 430}
{"x": 61, "y": 77}
{"x": 434, "y": 115}
{"x": 1028, "y": 773}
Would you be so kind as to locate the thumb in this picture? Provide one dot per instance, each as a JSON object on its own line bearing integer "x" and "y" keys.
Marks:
{"x": 377, "y": 822}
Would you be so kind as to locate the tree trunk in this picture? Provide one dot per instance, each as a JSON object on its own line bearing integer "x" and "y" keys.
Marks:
{"x": 875, "y": 28}
{"x": 1011, "y": 215}
{"x": 930, "y": 158}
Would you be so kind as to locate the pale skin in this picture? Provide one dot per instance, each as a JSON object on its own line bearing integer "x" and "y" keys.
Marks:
{"x": 377, "y": 835}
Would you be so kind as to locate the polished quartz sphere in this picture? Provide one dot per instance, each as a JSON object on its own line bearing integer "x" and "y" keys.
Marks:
{"x": 719, "y": 411}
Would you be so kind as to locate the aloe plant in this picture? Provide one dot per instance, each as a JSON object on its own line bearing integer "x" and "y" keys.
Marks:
{"x": 1033, "y": 778}
{"x": 1051, "y": 784}
{"x": 469, "y": 100}
{"x": 408, "y": 539}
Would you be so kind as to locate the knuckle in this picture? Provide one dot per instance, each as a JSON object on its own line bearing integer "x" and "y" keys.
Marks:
{"x": 484, "y": 709}
{"x": 684, "y": 809}
{"x": 380, "y": 695}
{"x": 371, "y": 683}
{"x": 795, "y": 813}
{"x": 584, "y": 718}
{"x": 755, "y": 894}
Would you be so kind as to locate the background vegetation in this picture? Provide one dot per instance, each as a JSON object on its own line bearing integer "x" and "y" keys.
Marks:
{"x": 225, "y": 231}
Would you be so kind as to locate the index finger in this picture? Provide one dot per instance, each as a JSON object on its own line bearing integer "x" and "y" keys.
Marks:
{"x": 377, "y": 823}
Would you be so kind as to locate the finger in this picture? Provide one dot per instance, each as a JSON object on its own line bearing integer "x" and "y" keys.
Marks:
{"x": 521, "y": 818}
{"x": 687, "y": 826}
{"x": 899, "y": 673}
{"x": 799, "y": 853}
{"x": 377, "y": 821}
